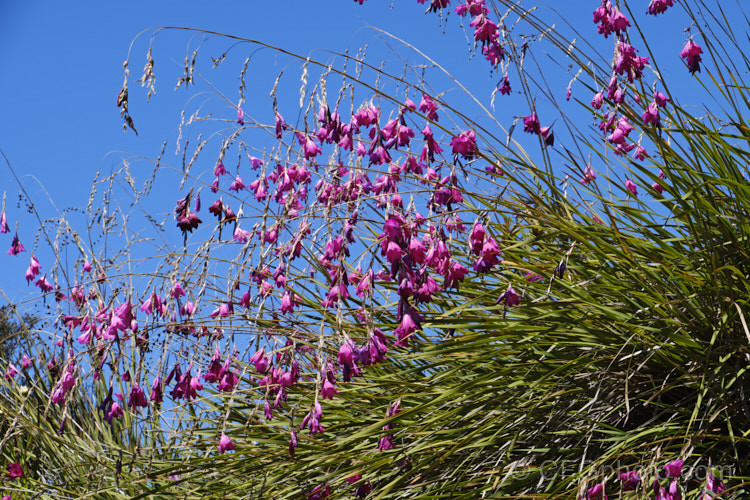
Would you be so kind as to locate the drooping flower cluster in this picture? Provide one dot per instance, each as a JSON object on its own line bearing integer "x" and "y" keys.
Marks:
{"x": 691, "y": 52}
{"x": 632, "y": 480}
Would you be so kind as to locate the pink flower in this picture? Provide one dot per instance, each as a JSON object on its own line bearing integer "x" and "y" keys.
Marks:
{"x": 86, "y": 266}
{"x": 659, "y": 6}
{"x": 241, "y": 235}
{"x": 436, "y": 5}
{"x": 630, "y": 185}
{"x": 494, "y": 53}
{"x": 692, "y": 55}
{"x": 660, "y": 99}
{"x": 293, "y": 436}
{"x": 489, "y": 256}
{"x": 612, "y": 88}
{"x": 255, "y": 163}
{"x": 651, "y": 115}
{"x": 485, "y": 30}
{"x": 630, "y": 480}
{"x": 509, "y": 297}
{"x": 602, "y": 16}
{"x": 156, "y": 391}
{"x": 177, "y": 290}
{"x": 287, "y": 303}
{"x": 44, "y": 284}
{"x": 588, "y": 176}
{"x": 16, "y": 247}
{"x": 428, "y": 106}
{"x": 407, "y": 327}
{"x": 505, "y": 87}
{"x": 628, "y": 62}
{"x": 346, "y": 354}
{"x": 393, "y": 252}
{"x": 532, "y": 277}
{"x": 640, "y": 153}
{"x": 618, "y": 21}
{"x": 309, "y": 148}
{"x": 237, "y": 185}
{"x": 366, "y": 117}
{"x": 312, "y": 420}
{"x": 4, "y": 228}
{"x": 713, "y": 485}
{"x": 114, "y": 412}
{"x": 225, "y": 443}
{"x": 657, "y": 187}
{"x": 15, "y": 470}
{"x": 456, "y": 273}
{"x": 472, "y": 7}
{"x": 260, "y": 361}
{"x": 610, "y": 19}
{"x": 280, "y": 125}
{"x": 187, "y": 309}
{"x": 476, "y": 238}
{"x": 531, "y": 124}
{"x": 328, "y": 390}
{"x": 188, "y": 222}
{"x": 11, "y": 372}
{"x": 33, "y": 269}
{"x": 465, "y": 144}
{"x": 240, "y": 116}
{"x": 596, "y": 492}
{"x": 674, "y": 468}
{"x": 137, "y": 397}
{"x": 431, "y": 147}
{"x": 25, "y": 362}
{"x": 621, "y": 131}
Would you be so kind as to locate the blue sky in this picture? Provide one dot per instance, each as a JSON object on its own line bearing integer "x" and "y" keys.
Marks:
{"x": 62, "y": 70}
{"x": 62, "y": 67}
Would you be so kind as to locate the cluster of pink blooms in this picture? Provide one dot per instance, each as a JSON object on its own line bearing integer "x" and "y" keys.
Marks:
{"x": 628, "y": 64}
{"x": 486, "y": 34}
{"x": 531, "y": 125}
{"x": 631, "y": 480}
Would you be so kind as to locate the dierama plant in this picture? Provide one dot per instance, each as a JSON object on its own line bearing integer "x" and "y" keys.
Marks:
{"x": 391, "y": 299}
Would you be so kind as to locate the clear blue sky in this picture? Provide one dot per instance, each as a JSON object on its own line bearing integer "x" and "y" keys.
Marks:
{"x": 61, "y": 64}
